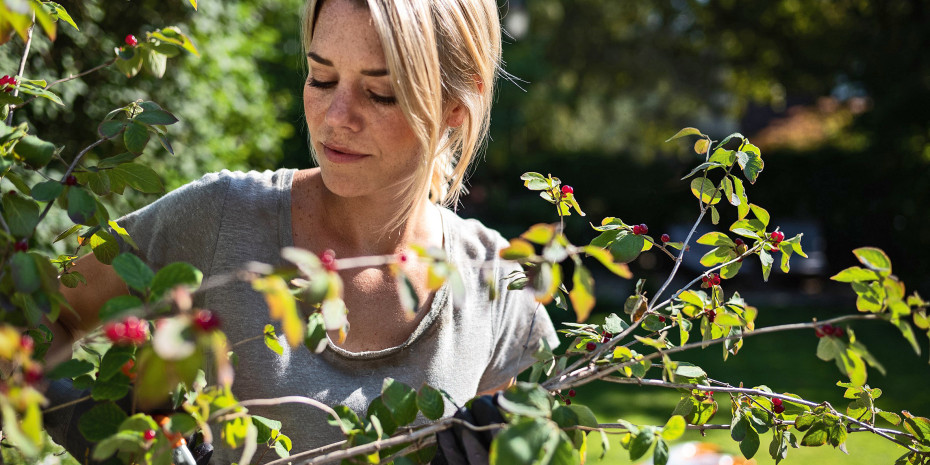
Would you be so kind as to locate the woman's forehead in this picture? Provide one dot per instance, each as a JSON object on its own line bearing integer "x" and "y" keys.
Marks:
{"x": 345, "y": 35}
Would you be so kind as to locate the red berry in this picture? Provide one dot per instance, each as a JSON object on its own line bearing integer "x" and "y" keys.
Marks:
{"x": 637, "y": 230}
{"x": 819, "y": 332}
{"x": 131, "y": 40}
{"x": 21, "y": 245}
{"x": 777, "y": 236}
{"x": 716, "y": 280}
{"x": 738, "y": 241}
{"x": 328, "y": 258}
{"x": 567, "y": 190}
{"x": 33, "y": 374}
{"x": 644, "y": 228}
{"x": 568, "y": 402}
{"x": 608, "y": 335}
{"x": 131, "y": 331}
{"x": 828, "y": 329}
{"x": 7, "y": 83}
{"x": 26, "y": 342}
{"x": 661, "y": 318}
{"x": 711, "y": 315}
{"x": 590, "y": 346}
{"x": 665, "y": 238}
{"x": 709, "y": 393}
{"x": 149, "y": 435}
{"x": 571, "y": 393}
{"x": 776, "y": 401}
{"x": 838, "y": 332}
{"x": 70, "y": 180}
{"x": 778, "y": 408}
{"x": 402, "y": 257}
{"x": 206, "y": 321}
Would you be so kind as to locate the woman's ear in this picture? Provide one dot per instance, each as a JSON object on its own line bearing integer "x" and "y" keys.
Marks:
{"x": 456, "y": 115}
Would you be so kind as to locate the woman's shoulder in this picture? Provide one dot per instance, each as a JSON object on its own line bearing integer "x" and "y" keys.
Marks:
{"x": 471, "y": 237}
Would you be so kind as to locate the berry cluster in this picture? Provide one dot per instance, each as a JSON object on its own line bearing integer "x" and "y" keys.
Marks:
{"x": 712, "y": 279}
{"x": 131, "y": 40}
{"x": 567, "y": 400}
{"x": 777, "y": 237}
{"x": 711, "y": 314}
{"x": 205, "y": 321}
{"x": 640, "y": 229}
{"x": 131, "y": 331}
{"x": 778, "y": 407}
{"x": 567, "y": 190}
{"x": 605, "y": 336}
{"x": 829, "y": 330}
{"x": 328, "y": 258}
{"x": 7, "y": 83}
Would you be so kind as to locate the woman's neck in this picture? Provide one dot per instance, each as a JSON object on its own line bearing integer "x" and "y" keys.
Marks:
{"x": 355, "y": 226}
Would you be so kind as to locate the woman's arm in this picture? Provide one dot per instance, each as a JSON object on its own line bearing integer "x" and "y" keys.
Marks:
{"x": 86, "y": 299}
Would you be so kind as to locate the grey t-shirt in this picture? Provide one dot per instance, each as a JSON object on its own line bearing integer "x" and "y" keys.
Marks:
{"x": 227, "y": 219}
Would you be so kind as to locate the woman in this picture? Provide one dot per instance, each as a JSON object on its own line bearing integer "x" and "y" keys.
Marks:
{"x": 397, "y": 103}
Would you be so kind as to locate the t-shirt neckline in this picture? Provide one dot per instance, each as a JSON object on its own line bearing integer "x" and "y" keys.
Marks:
{"x": 440, "y": 300}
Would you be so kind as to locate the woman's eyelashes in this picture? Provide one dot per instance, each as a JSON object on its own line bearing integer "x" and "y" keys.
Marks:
{"x": 376, "y": 98}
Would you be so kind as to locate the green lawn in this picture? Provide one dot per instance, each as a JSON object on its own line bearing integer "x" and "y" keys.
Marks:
{"x": 785, "y": 362}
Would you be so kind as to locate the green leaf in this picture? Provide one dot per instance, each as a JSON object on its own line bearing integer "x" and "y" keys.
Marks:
{"x": 265, "y": 426}
{"x": 534, "y": 181}
{"x": 38, "y": 91}
{"x": 525, "y": 399}
{"x": 890, "y": 417}
{"x": 21, "y": 214}
{"x": 155, "y": 62}
{"x": 377, "y": 409}
{"x": 518, "y": 249}
{"x": 704, "y": 189}
{"x": 674, "y": 428}
{"x": 855, "y": 274}
{"x": 173, "y": 275}
{"x": 585, "y": 415}
{"x": 81, "y": 205}
{"x": 113, "y": 361}
{"x": 104, "y": 246}
{"x": 111, "y": 128}
{"x": 607, "y": 260}
{"x": 409, "y": 300}
{"x": 136, "y": 137}
{"x": 627, "y": 247}
{"x": 907, "y": 332}
{"x": 750, "y": 444}
{"x": 59, "y": 13}
{"x": 139, "y": 177}
{"x": 874, "y": 259}
{"x": 348, "y": 420}
{"x": 660, "y": 454}
{"x": 817, "y": 435}
{"x": 522, "y": 442}
{"x": 47, "y": 191}
{"x": 26, "y": 277}
{"x": 917, "y": 426}
{"x": 133, "y": 271}
{"x": 641, "y": 443}
{"x": 614, "y": 324}
{"x": 101, "y": 421}
{"x": 315, "y": 339}
{"x": 429, "y": 401}
{"x": 751, "y": 164}
{"x": 117, "y": 307}
{"x": 685, "y": 132}
{"x": 400, "y": 400}
{"x": 114, "y": 388}
{"x": 271, "y": 340}
{"x": 716, "y": 239}
{"x": 761, "y": 214}
{"x": 70, "y": 369}
{"x": 174, "y": 35}
{"x": 706, "y": 165}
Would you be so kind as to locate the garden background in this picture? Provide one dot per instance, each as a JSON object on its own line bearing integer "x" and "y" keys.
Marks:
{"x": 835, "y": 93}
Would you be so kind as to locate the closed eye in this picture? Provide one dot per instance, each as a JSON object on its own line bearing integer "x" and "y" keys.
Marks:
{"x": 321, "y": 84}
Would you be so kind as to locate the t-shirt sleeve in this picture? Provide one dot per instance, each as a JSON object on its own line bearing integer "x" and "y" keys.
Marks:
{"x": 181, "y": 226}
{"x": 521, "y": 325}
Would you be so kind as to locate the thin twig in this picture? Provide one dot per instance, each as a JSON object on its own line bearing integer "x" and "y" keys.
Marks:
{"x": 22, "y": 64}
{"x": 278, "y": 401}
{"x": 66, "y": 404}
{"x": 68, "y": 172}
{"x": 69, "y": 78}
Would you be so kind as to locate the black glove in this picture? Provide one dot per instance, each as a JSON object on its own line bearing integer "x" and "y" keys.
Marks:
{"x": 461, "y": 445}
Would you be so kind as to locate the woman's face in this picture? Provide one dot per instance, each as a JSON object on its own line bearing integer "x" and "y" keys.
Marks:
{"x": 363, "y": 142}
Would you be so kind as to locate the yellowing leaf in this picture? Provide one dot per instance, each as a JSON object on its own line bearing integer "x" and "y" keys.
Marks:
{"x": 518, "y": 249}
{"x": 281, "y": 306}
{"x": 582, "y": 293}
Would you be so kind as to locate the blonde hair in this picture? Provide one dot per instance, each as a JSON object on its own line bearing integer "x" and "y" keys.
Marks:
{"x": 438, "y": 53}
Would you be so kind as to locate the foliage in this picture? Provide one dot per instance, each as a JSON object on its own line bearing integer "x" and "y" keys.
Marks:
{"x": 543, "y": 426}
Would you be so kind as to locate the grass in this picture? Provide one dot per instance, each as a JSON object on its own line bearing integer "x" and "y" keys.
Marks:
{"x": 786, "y": 362}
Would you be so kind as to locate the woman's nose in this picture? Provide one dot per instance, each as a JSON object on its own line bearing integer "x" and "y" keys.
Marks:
{"x": 342, "y": 111}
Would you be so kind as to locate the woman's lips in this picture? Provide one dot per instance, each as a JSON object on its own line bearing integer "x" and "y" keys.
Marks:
{"x": 336, "y": 154}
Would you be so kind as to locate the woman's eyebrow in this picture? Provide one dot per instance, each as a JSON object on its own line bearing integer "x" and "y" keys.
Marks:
{"x": 366, "y": 72}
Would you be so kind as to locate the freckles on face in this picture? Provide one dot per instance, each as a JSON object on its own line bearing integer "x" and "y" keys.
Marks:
{"x": 361, "y": 137}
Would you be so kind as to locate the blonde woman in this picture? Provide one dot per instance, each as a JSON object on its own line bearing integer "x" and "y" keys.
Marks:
{"x": 397, "y": 104}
